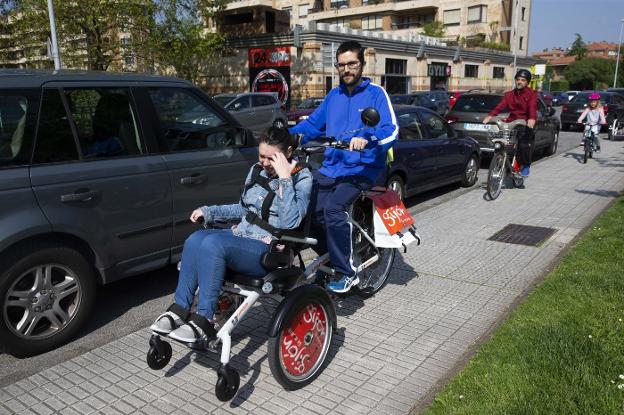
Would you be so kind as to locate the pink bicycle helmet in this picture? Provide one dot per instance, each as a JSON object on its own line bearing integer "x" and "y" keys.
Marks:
{"x": 594, "y": 96}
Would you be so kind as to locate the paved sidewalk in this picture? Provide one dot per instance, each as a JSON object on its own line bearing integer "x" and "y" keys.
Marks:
{"x": 390, "y": 350}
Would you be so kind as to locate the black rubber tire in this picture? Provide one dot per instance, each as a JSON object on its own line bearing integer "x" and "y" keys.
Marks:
{"x": 155, "y": 360}
{"x": 495, "y": 185}
{"x": 225, "y": 390}
{"x": 14, "y": 265}
{"x": 467, "y": 180}
{"x": 552, "y": 148}
{"x": 396, "y": 183}
{"x": 274, "y": 343}
{"x": 565, "y": 127}
{"x": 368, "y": 291}
{"x": 586, "y": 150}
{"x": 518, "y": 182}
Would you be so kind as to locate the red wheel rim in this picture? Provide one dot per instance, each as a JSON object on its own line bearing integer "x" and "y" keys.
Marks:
{"x": 304, "y": 342}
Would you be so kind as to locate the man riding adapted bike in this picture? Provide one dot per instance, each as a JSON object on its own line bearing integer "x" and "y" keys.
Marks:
{"x": 344, "y": 174}
{"x": 594, "y": 117}
{"x": 522, "y": 104}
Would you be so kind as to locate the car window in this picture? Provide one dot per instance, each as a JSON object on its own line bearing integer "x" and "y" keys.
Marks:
{"x": 409, "y": 126}
{"x": 105, "y": 121}
{"x": 400, "y": 99}
{"x": 55, "y": 141}
{"x": 189, "y": 123}
{"x": 17, "y": 119}
{"x": 239, "y": 104}
{"x": 476, "y": 103}
{"x": 261, "y": 100}
{"x": 436, "y": 126}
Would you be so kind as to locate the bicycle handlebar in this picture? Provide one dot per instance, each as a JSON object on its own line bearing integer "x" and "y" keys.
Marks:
{"x": 508, "y": 125}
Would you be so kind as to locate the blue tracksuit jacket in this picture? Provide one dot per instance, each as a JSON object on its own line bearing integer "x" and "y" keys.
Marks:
{"x": 338, "y": 115}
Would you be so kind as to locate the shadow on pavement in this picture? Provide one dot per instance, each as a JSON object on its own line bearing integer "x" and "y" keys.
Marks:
{"x": 599, "y": 192}
{"x": 576, "y": 156}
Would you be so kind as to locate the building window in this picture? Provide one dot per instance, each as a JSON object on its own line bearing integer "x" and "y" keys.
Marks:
{"x": 339, "y": 4}
{"x": 303, "y": 10}
{"x": 499, "y": 72}
{"x": 471, "y": 71}
{"x": 451, "y": 17}
{"x": 340, "y": 22}
{"x": 328, "y": 55}
{"x": 521, "y": 43}
{"x": 396, "y": 66}
{"x": 372, "y": 22}
{"x": 288, "y": 10}
{"x": 477, "y": 14}
{"x": 523, "y": 14}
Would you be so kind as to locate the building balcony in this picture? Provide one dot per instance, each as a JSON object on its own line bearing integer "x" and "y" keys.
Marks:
{"x": 420, "y": 6}
{"x": 238, "y": 4}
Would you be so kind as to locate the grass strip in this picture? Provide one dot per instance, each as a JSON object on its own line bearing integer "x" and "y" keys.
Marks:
{"x": 562, "y": 350}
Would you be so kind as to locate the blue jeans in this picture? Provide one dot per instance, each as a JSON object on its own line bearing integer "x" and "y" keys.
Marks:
{"x": 330, "y": 204}
{"x": 206, "y": 255}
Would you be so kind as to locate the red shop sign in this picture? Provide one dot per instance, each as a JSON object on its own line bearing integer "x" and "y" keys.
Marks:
{"x": 269, "y": 57}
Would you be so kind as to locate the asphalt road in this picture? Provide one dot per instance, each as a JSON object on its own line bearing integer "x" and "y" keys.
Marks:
{"x": 127, "y": 306}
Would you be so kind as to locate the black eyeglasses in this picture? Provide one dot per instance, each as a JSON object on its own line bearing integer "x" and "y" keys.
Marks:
{"x": 350, "y": 65}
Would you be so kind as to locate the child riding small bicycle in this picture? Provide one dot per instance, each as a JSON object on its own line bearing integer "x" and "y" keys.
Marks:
{"x": 594, "y": 116}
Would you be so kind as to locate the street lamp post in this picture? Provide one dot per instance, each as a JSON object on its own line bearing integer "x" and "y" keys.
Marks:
{"x": 55, "y": 49}
{"x": 618, "y": 55}
{"x": 515, "y": 38}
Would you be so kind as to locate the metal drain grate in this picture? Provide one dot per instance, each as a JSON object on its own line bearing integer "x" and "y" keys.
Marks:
{"x": 523, "y": 234}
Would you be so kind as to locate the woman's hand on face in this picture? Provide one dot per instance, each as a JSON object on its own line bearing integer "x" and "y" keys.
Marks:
{"x": 281, "y": 165}
{"x": 197, "y": 213}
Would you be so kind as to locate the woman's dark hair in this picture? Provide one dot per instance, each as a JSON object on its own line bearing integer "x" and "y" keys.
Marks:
{"x": 351, "y": 46}
{"x": 279, "y": 137}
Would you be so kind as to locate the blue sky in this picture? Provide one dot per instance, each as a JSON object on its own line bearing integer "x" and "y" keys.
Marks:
{"x": 554, "y": 22}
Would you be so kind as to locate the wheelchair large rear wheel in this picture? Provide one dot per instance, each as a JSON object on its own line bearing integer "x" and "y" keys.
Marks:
{"x": 297, "y": 354}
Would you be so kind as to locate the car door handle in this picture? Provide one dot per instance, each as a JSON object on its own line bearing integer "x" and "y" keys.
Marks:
{"x": 83, "y": 196}
{"x": 194, "y": 179}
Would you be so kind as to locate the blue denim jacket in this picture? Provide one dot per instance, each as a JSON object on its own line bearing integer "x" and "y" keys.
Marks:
{"x": 287, "y": 211}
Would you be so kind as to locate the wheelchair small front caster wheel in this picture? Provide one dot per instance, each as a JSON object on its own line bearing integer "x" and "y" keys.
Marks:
{"x": 159, "y": 353}
{"x": 227, "y": 383}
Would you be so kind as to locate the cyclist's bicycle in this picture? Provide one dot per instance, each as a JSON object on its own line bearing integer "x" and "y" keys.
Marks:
{"x": 504, "y": 164}
{"x": 589, "y": 142}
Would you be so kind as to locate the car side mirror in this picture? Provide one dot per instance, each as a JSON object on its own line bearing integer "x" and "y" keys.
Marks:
{"x": 370, "y": 117}
{"x": 244, "y": 138}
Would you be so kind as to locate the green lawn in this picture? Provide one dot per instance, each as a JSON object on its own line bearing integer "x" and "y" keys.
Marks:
{"x": 562, "y": 350}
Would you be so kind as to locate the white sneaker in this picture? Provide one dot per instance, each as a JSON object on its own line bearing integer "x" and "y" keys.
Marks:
{"x": 166, "y": 323}
{"x": 191, "y": 332}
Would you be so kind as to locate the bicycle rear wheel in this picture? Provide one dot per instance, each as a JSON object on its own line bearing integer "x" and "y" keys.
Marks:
{"x": 496, "y": 175}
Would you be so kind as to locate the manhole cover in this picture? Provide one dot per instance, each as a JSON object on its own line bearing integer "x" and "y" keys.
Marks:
{"x": 523, "y": 234}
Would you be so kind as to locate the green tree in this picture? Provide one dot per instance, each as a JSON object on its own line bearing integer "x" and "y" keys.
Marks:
{"x": 591, "y": 73}
{"x": 88, "y": 31}
{"x": 434, "y": 29}
{"x": 578, "y": 47}
{"x": 179, "y": 38}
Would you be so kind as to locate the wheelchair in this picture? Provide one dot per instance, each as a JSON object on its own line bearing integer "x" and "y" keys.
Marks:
{"x": 300, "y": 331}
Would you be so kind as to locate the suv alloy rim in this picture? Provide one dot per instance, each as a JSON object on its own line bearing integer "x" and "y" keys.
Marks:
{"x": 42, "y": 301}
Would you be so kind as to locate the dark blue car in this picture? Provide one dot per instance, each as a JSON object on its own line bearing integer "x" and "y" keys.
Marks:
{"x": 430, "y": 153}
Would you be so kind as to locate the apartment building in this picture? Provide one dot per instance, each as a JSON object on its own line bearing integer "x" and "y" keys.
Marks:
{"x": 487, "y": 20}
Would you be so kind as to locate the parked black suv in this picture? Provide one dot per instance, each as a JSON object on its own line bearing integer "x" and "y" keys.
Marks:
{"x": 612, "y": 103}
{"x": 98, "y": 175}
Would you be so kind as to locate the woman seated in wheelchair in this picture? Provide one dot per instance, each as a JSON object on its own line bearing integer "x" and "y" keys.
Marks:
{"x": 276, "y": 195}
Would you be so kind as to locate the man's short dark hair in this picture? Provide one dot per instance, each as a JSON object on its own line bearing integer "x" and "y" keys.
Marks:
{"x": 351, "y": 46}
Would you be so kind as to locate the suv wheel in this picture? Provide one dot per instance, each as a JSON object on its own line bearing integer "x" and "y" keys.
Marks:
{"x": 279, "y": 123}
{"x": 46, "y": 294}
{"x": 396, "y": 183}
